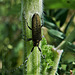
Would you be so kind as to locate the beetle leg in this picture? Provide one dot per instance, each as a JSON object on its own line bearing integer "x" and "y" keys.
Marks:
{"x": 27, "y": 22}
{"x": 41, "y": 53}
{"x": 32, "y": 49}
{"x": 39, "y": 49}
{"x": 29, "y": 39}
{"x": 28, "y": 26}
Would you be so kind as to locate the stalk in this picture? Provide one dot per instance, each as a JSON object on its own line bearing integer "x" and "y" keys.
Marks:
{"x": 69, "y": 38}
{"x": 23, "y": 22}
{"x": 57, "y": 54}
{"x": 3, "y": 65}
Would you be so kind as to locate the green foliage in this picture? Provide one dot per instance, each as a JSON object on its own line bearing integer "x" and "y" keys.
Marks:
{"x": 61, "y": 15}
{"x": 47, "y": 50}
{"x": 54, "y": 21}
{"x": 59, "y": 4}
{"x": 50, "y": 56}
{"x": 56, "y": 34}
{"x": 69, "y": 23}
{"x": 70, "y": 46}
{"x": 59, "y": 22}
{"x": 49, "y": 22}
{"x": 15, "y": 9}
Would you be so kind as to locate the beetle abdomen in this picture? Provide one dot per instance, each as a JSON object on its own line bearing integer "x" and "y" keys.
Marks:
{"x": 36, "y": 28}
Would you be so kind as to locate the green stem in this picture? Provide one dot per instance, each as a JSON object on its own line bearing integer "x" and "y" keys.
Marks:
{"x": 69, "y": 38}
{"x": 3, "y": 65}
{"x": 25, "y": 41}
{"x": 57, "y": 54}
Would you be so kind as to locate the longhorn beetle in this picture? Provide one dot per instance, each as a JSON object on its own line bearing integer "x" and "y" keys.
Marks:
{"x": 36, "y": 36}
{"x": 36, "y": 31}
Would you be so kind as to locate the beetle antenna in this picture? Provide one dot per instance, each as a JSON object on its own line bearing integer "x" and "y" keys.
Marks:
{"x": 32, "y": 49}
{"x": 21, "y": 64}
{"x": 39, "y": 49}
{"x": 41, "y": 53}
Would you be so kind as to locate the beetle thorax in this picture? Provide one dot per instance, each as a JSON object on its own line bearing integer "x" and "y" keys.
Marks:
{"x": 36, "y": 43}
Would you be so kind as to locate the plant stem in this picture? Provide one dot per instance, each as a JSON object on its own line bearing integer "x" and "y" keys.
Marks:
{"x": 57, "y": 54}
{"x": 24, "y": 37}
{"x": 69, "y": 38}
{"x": 3, "y": 65}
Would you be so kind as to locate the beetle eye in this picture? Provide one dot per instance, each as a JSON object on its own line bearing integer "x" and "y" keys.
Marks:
{"x": 36, "y": 44}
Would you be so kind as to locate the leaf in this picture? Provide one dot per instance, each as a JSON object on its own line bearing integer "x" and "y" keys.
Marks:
{"x": 49, "y": 19}
{"x": 15, "y": 9}
{"x": 49, "y": 23}
{"x": 63, "y": 18}
{"x": 51, "y": 4}
{"x": 57, "y": 11}
{"x": 69, "y": 53}
{"x": 56, "y": 34}
{"x": 70, "y": 46}
{"x": 69, "y": 23}
{"x": 61, "y": 15}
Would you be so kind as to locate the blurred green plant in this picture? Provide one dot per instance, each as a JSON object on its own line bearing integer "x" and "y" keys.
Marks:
{"x": 52, "y": 4}
{"x": 60, "y": 22}
{"x": 64, "y": 37}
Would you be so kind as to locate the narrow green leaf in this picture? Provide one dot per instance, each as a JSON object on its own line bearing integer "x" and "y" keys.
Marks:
{"x": 49, "y": 23}
{"x": 61, "y": 15}
{"x": 56, "y": 34}
{"x": 51, "y": 4}
{"x": 70, "y": 46}
{"x": 69, "y": 23}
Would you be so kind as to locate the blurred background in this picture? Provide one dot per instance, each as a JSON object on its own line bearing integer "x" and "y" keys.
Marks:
{"x": 58, "y": 21}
